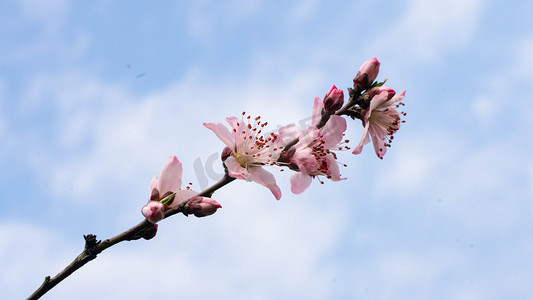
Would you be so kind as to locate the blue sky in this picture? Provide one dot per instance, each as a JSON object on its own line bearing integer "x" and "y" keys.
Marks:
{"x": 95, "y": 96}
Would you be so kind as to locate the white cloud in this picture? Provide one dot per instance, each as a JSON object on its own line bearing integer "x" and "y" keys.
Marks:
{"x": 485, "y": 107}
{"x": 485, "y": 188}
{"x": 256, "y": 247}
{"x": 428, "y": 28}
{"x": 28, "y": 253}
{"x": 44, "y": 35}
{"x": 100, "y": 128}
{"x": 519, "y": 74}
{"x": 407, "y": 274}
{"x": 206, "y": 17}
{"x": 2, "y": 100}
{"x": 303, "y": 11}
{"x": 5, "y": 134}
{"x": 523, "y": 60}
{"x": 50, "y": 12}
{"x": 498, "y": 90}
{"x": 200, "y": 24}
{"x": 416, "y": 269}
{"x": 412, "y": 166}
{"x": 237, "y": 10}
{"x": 416, "y": 159}
{"x": 190, "y": 257}
{"x": 442, "y": 272}
{"x": 479, "y": 186}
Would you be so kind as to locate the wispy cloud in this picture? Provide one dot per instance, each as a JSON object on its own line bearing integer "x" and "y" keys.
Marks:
{"x": 428, "y": 29}
{"x": 444, "y": 215}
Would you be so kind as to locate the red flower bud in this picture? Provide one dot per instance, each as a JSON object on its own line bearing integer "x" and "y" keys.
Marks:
{"x": 202, "y": 206}
{"x": 334, "y": 99}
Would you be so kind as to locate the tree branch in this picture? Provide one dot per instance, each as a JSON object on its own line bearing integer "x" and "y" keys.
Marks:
{"x": 94, "y": 247}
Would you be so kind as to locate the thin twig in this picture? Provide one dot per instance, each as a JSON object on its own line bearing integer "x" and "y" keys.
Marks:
{"x": 94, "y": 247}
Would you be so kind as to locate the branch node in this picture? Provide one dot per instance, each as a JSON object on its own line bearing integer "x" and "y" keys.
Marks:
{"x": 91, "y": 244}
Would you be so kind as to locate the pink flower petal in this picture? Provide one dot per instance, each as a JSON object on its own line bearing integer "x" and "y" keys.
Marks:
{"x": 170, "y": 178}
{"x": 333, "y": 131}
{"x": 316, "y": 116}
{"x": 307, "y": 137}
{"x": 378, "y": 140}
{"x": 300, "y": 182}
{"x": 181, "y": 196}
{"x": 222, "y": 133}
{"x": 153, "y": 184}
{"x": 398, "y": 97}
{"x": 305, "y": 160}
{"x": 365, "y": 139}
{"x": 333, "y": 167}
{"x": 378, "y": 100}
{"x": 266, "y": 179}
{"x": 239, "y": 127}
{"x": 235, "y": 170}
{"x": 289, "y": 133}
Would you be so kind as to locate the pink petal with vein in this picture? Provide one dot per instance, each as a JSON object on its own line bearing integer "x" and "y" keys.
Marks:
{"x": 365, "y": 139}
{"x": 318, "y": 105}
{"x": 266, "y": 179}
{"x": 181, "y": 196}
{"x": 300, "y": 182}
{"x": 170, "y": 178}
{"x": 235, "y": 170}
{"x": 153, "y": 184}
{"x": 333, "y": 131}
{"x": 222, "y": 133}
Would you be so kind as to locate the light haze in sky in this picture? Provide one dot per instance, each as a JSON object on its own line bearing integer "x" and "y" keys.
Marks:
{"x": 96, "y": 95}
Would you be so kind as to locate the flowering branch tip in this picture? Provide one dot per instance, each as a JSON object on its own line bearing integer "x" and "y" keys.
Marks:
{"x": 310, "y": 153}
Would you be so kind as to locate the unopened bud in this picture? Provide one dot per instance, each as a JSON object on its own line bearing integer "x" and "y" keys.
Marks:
{"x": 367, "y": 74}
{"x": 334, "y": 99}
{"x": 202, "y": 206}
{"x": 154, "y": 211}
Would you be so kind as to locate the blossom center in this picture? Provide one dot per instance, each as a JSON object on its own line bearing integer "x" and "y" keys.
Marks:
{"x": 252, "y": 149}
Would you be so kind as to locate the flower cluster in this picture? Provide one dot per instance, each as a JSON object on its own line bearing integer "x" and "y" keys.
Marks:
{"x": 311, "y": 153}
{"x": 166, "y": 193}
{"x": 381, "y": 120}
{"x": 247, "y": 150}
{"x": 380, "y": 117}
